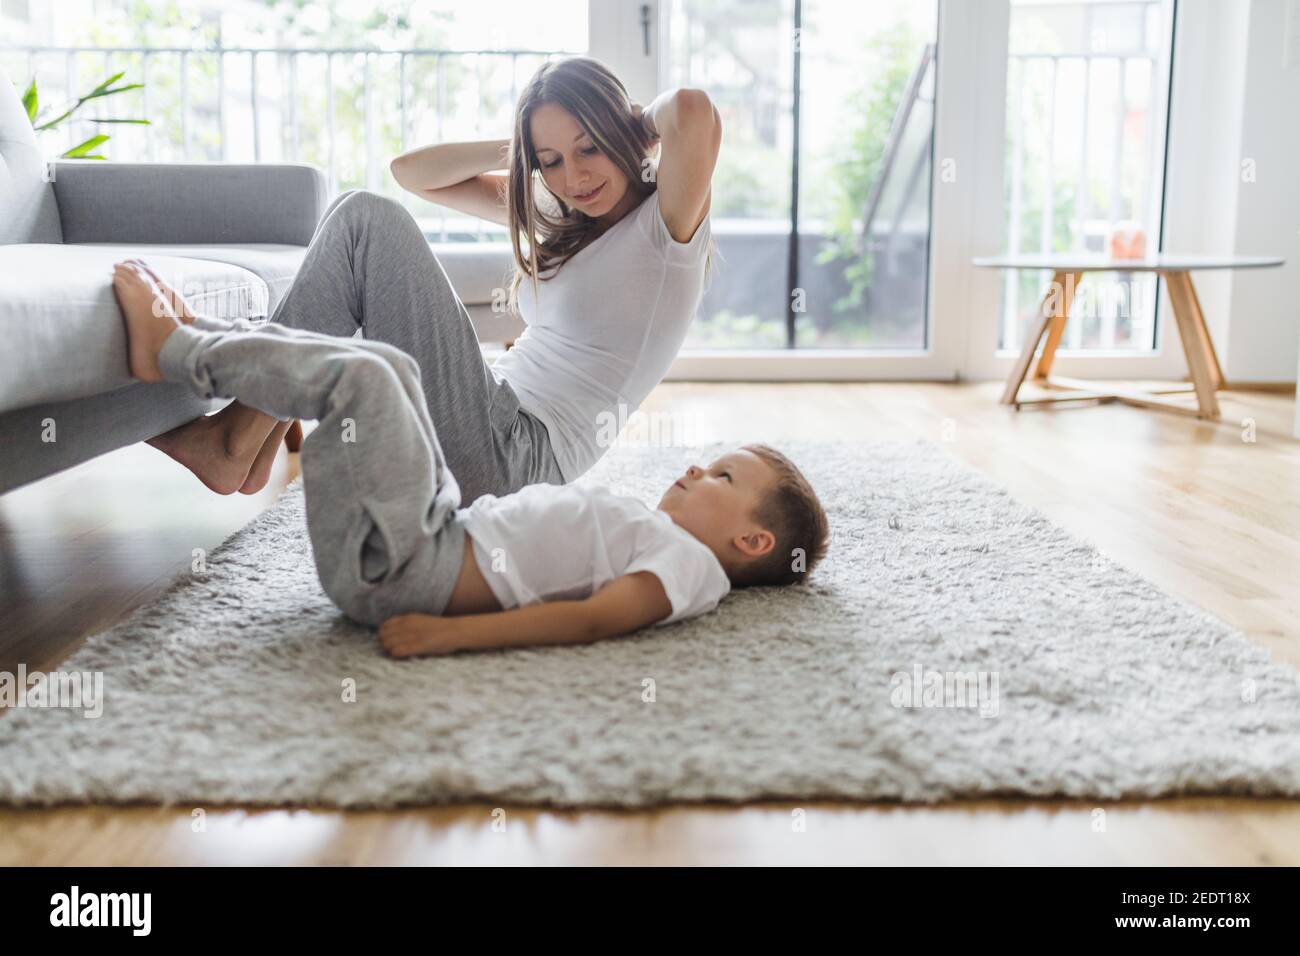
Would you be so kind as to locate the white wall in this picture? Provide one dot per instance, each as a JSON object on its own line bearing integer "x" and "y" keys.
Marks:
{"x": 1264, "y": 328}
{"x": 616, "y": 37}
{"x": 1205, "y": 110}
{"x": 1234, "y": 100}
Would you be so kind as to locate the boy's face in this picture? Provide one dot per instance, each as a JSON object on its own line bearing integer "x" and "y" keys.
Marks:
{"x": 716, "y": 504}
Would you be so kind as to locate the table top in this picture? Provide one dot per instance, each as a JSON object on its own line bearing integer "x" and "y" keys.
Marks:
{"x": 1089, "y": 262}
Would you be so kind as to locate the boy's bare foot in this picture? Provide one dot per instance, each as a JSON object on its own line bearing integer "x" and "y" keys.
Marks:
{"x": 260, "y": 473}
{"x": 173, "y": 298}
{"x": 230, "y": 451}
{"x": 149, "y": 319}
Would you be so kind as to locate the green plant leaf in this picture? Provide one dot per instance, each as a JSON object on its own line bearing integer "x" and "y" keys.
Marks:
{"x": 30, "y": 103}
{"x": 117, "y": 89}
{"x": 104, "y": 89}
{"x": 141, "y": 122}
{"x": 82, "y": 150}
{"x": 109, "y": 82}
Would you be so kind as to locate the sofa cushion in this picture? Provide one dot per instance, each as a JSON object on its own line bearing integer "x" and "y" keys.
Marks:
{"x": 477, "y": 270}
{"x": 480, "y": 273}
{"x": 61, "y": 326}
{"x": 276, "y": 265}
{"x": 28, "y": 212}
{"x": 491, "y": 325}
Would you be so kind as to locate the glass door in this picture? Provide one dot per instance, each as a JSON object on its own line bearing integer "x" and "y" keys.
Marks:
{"x": 1087, "y": 101}
{"x": 822, "y": 194}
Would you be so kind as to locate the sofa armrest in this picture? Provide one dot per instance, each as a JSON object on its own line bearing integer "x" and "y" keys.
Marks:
{"x": 103, "y": 201}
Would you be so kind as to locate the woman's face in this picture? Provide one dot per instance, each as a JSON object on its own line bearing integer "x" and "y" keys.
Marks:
{"x": 573, "y": 167}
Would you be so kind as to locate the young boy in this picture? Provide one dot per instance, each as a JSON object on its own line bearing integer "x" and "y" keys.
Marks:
{"x": 547, "y": 565}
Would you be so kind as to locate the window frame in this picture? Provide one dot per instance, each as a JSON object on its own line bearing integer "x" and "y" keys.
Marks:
{"x": 986, "y": 361}
{"x": 615, "y": 34}
{"x": 962, "y": 300}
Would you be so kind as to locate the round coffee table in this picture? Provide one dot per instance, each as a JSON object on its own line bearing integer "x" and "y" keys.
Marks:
{"x": 1067, "y": 271}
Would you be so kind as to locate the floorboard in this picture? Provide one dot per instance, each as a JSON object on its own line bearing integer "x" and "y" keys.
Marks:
{"x": 1208, "y": 511}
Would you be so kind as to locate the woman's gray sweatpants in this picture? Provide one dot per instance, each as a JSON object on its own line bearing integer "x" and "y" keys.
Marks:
{"x": 370, "y": 268}
{"x": 381, "y": 499}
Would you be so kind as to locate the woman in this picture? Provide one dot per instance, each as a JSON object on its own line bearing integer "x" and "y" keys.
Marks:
{"x": 608, "y": 291}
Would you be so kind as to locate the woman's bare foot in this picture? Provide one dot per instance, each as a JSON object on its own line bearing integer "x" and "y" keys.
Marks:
{"x": 230, "y": 451}
{"x": 220, "y": 449}
{"x": 202, "y": 446}
{"x": 149, "y": 319}
{"x": 260, "y": 473}
{"x": 293, "y": 437}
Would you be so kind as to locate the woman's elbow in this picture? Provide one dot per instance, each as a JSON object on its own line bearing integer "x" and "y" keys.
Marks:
{"x": 398, "y": 168}
{"x": 696, "y": 110}
{"x": 694, "y": 103}
{"x": 692, "y": 94}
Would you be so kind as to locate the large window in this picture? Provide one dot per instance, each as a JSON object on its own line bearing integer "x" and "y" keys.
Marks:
{"x": 856, "y": 276}
{"x": 1087, "y": 98}
{"x": 342, "y": 86}
{"x": 822, "y": 195}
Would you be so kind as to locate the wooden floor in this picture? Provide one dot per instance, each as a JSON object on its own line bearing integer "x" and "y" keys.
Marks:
{"x": 1194, "y": 506}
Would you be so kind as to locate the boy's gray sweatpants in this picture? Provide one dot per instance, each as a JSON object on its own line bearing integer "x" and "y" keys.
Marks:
{"x": 381, "y": 501}
{"x": 370, "y": 268}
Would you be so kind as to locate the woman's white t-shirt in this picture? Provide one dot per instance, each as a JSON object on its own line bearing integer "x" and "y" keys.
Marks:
{"x": 608, "y": 326}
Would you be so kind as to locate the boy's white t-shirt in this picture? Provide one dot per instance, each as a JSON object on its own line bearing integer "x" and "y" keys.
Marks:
{"x": 558, "y": 542}
{"x": 609, "y": 325}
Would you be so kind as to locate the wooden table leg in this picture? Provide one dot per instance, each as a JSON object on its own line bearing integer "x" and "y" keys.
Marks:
{"x": 1046, "y": 313}
{"x": 1197, "y": 351}
{"x": 1203, "y": 333}
{"x": 1056, "y": 328}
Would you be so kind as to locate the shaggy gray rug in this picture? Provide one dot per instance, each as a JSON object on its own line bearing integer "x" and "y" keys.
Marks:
{"x": 955, "y": 644}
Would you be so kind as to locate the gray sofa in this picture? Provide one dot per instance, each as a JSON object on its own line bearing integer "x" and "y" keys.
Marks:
{"x": 230, "y": 236}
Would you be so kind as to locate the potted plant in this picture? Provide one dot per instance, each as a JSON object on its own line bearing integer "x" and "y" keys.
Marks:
{"x": 87, "y": 149}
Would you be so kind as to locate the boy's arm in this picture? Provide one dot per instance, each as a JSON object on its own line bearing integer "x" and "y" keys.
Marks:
{"x": 625, "y": 604}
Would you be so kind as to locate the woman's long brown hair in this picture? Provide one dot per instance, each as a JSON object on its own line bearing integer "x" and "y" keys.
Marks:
{"x": 597, "y": 99}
